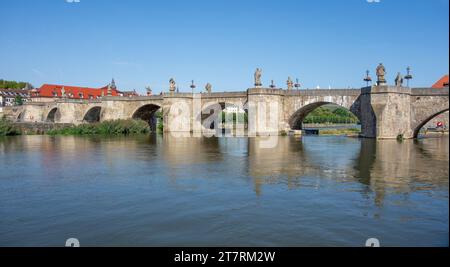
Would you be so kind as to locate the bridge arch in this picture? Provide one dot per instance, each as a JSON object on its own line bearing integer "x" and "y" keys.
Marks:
{"x": 53, "y": 115}
{"x": 295, "y": 120}
{"x": 20, "y": 116}
{"x": 93, "y": 115}
{"x": 417, "y": 128}
{"x": 147, "y": 114}
{"x": 211, "y": 111}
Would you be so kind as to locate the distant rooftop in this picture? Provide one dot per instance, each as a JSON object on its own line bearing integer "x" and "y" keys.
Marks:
{"x": 443, "y": 82}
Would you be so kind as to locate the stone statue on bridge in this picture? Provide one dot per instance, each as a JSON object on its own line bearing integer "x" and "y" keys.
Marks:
{"x": 109, "y": 90}
{"x": 258, "y": 82}
{"x": 290, "y": 83}
{"x": 63, "y": 92}
{"x": 149, "y": 90}
{"x": 208, "y": 88}
{"x": 172, "y": 85}
{"x": 381, "y": 72}
{"x": 399, "y": 80}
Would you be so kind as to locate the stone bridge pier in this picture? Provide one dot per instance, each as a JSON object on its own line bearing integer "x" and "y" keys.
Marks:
{"x": 386, "y": 112}
{"x": 389, "y": 112}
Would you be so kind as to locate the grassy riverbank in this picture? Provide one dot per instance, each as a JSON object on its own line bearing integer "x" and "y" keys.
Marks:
{"x": 343, "y": 131}
{"x": 113, "y": 127}
{"x": 7, "y": 128}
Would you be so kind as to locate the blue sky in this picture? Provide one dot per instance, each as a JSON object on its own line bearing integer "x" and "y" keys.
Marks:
{"x": 142, "y": 42}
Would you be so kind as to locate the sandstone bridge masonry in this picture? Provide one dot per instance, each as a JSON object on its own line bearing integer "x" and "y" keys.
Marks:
{"x": 384, "y": 111}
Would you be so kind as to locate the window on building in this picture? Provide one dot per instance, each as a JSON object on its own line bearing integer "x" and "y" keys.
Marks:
{"x": 80, "y": 95}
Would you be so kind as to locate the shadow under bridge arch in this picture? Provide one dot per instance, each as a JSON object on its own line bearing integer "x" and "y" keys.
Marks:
{"x": 220, "y": 114}
{"x": 147, "y": 113}
{"x": 297, "y": 118}
{"x": 53, "y": 115}
{"x": 434, "y": 116}
{"x": 93, "y": 115}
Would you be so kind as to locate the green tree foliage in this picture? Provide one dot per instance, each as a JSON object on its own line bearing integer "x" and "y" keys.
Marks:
{"x": 18, "y": 100}
{"x": 240, "y": 117}
{"x": 330, "y": 114}
{"x": 4, "y": 84}
{"x": 7, "y": 128}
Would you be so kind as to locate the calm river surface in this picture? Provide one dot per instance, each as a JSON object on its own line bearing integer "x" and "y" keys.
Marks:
{"x": 165, "y": 191}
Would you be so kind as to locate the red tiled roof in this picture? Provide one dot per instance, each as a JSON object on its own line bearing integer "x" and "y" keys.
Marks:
{"x": 54, "y": 90}
{"x": 443, "y": 82}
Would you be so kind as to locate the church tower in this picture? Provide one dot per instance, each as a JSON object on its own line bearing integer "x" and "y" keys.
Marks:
{"x": 111, "y": 87}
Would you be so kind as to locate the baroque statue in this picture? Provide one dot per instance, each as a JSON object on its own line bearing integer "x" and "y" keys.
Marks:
{"x": 172, "y": 85}
{"x": 290, "y": 83}
{"x": 399, "y": 80}
{"x": 149, "y": 90}
{"x": 63, "y": 92}
{"x": 381, "y": 72}
{"x": 258, "y": 77}
{"x": 208, "y": 87}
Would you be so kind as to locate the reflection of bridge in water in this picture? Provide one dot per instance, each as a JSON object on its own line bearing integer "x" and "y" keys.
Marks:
{"x": 378, "y": 167}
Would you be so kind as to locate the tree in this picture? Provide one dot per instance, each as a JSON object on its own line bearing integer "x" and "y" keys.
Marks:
{"x": 330, "y": 114}
{"x": 18, "y": 100}
{"x": 4, "y": 84}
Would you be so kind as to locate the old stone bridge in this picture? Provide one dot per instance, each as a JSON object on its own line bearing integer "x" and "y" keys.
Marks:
{"x": 384, "y": 111}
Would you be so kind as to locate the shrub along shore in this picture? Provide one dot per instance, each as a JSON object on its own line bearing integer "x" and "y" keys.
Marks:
{"x": 113, "y": 127}
{"x": 7, "y": 128}
{"x": 342, "y": 131}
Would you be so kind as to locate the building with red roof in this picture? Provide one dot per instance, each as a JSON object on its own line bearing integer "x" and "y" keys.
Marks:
{"x": 443, "y": 82}
{"x": 49, "y": 92}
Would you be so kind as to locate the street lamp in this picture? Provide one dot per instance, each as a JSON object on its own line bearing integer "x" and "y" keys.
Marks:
{"x": 272, "y": 85}
{"x": 297, "y": 84}
{"x": 367, "y": 79}
{"x": 408, "y": 76}
{"x": 192, "y": 86}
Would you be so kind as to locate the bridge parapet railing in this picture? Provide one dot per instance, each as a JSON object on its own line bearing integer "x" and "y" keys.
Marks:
{"x": 321, "y": 92}
{"x": 72, "y": 101}
{"x": 132, "y": 98}
{"x": 224, "y": 94}
{"x": 423, "y": 91}
{"x": 79, "y": 101}
{"x": 176, "y": 95}
{"x": 36, "y": 103}
{"x": 265, "y": 91}
{"x": 206, "y": 95}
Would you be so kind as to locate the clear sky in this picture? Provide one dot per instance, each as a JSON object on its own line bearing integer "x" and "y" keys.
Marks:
{"x": 142, "y": 42}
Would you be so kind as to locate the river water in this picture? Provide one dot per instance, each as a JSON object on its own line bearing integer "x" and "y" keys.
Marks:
{"x": 166, "y": 191}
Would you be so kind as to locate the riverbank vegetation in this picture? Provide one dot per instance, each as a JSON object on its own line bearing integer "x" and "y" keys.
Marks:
{"x": 7, "y": 128}
{"x": 113, "y": 127}
{"x": 159, "y": 123}
{"x": 331, "y": 114}
{"x": 343, "y": 131}
{"x": 233, "y": 117}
